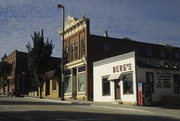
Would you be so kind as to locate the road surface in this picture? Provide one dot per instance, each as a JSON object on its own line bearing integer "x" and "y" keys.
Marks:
{"x": 32, "y": 109}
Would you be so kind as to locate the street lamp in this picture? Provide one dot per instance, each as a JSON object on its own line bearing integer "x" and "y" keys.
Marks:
{"x": 23, "y": 74}
{"x": 62, "y": 64}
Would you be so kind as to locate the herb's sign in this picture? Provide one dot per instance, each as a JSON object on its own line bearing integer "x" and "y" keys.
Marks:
{"x": 122, "y": 68}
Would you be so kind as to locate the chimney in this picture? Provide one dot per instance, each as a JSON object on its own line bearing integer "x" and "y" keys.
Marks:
{"x": 106, "y": 33}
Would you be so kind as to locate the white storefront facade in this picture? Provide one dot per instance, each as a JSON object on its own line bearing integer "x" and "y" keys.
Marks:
{"x": 127, "y": 80}
{"x": 115, "y": 79}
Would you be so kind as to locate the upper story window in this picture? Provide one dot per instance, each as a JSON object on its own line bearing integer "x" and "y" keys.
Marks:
{"x": 106, "y": 48}
{"x": 177, "y": 56}
{"x": 66, "y": 54}
{"x": 149, "y": 52}
{"x": 74, "y": 51}
{"x": 136, "y": 49}
{"x": 163, "y": 54}
{"x": 82, "y": 47}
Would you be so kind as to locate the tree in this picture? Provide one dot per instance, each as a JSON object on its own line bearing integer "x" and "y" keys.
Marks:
{"x": 38, "y": 58}
{"x": 5, "y": 70}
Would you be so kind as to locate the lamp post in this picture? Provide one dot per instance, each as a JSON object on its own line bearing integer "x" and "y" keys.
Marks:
{"x": 23, "y": 74}
{"x": 62, "y": 64}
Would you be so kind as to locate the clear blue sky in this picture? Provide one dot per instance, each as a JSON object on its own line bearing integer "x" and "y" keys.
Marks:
{"x": 154, "y": 21}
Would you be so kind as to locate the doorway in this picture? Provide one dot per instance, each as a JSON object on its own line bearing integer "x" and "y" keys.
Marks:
{"x": 117, "y": 90}
{"x": 47, "y": 87}
{"x": 74, "y": 83}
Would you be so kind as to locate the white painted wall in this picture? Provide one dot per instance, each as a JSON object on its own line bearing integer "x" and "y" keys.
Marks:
{"x": 107, "y": 69}
{"x": 158, "y": 92}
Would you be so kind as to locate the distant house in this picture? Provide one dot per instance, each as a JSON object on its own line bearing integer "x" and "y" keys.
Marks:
{"x": 51, "y": 88}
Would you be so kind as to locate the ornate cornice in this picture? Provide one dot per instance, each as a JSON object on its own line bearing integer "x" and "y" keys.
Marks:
{"x": 73, "y": 25}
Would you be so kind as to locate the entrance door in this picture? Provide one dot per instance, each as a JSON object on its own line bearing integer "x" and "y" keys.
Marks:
{"x": 74, "y": 83}
{"x": 47, "y": 87}
{"x": 117, "y": 90}
{"x": 148, "y": 88}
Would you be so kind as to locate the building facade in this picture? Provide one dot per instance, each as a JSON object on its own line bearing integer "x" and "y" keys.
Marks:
{"x": 82, "y": 49}
{"x": 18, "y": 79}
{"x": 75, "y": 44}
{"x": 115, "y": 79}
{"x": 131, "y": 79}
{"x": 51, "y": 87}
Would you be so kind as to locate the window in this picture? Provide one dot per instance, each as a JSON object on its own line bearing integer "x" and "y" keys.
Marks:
{"x": 136, "y": 49}
{"x": 128, "y": 84}
{"x": 176, "y": 78}
{"x": 163, "y": 55}
{"x": 67, "y": 84}
{"x": 75, "y": 51}
{"x": 149, "y": 52}
{"x": 82, "y": 68}
{"x": 66, "y": 54}
{"x": 106, "y": 48}
{"x": 53, "y": 84}
{"x": 72, "y": 52}
{"x": 82, "y": 47}
{"x": 150, "y": 80}
{"x": 105, "y": 86}
{"x": 177, "y": 56}
{"x": 81, "y": 82}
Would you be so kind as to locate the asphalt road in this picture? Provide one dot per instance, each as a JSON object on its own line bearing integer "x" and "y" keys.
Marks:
{"x": 30, "y": 109}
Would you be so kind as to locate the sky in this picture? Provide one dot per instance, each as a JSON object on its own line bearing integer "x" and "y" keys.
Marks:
{"x": 152, "y": 21}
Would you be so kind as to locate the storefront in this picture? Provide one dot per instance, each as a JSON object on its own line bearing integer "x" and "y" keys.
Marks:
{"x": 115, "y": 79}
{"x": 75, "y": 80}
{"x": 129, "y": 79}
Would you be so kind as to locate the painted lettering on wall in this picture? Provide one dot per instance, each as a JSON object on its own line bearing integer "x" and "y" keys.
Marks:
{"x": 121, "y": 68}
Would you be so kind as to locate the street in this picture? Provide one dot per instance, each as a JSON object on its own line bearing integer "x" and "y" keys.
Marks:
{"x": 33, "y": 109}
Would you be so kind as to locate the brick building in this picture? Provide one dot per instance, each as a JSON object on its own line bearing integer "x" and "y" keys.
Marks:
{"x": 83, "y": 48}
{"x": 20, "y": 78}
{"x": 19, "y": 74}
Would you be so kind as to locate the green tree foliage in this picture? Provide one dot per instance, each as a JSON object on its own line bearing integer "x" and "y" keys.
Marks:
{"x": 38, "y": 58}
{"x": 5, "y": 71}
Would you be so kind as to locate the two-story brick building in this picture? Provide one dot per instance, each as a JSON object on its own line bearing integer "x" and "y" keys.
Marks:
{"x": 83, "y": 48}
{"x": 20, "y": 78}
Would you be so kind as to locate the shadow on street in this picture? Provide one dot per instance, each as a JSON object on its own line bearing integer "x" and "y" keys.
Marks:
{"x": 5, "y": 102}
{"x": 76, "y": 116}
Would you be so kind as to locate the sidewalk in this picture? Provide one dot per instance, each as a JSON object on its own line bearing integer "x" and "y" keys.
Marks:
{"x": 97, "y": 104}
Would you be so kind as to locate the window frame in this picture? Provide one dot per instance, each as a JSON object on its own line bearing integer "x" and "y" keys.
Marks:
{"x": 125, "y": 93}
{"x": 149, "y": 52}
{"x": 80, "y": 70}
{"x": 70, "y": 76}
{"x": 107, "y": 81}
{"x": 83, "y": 49}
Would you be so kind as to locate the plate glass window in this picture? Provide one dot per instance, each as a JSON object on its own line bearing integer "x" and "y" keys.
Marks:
{"x": 128, "y": 83}
{"x": 67, "y": 84}
{"x": 105, "y": 86}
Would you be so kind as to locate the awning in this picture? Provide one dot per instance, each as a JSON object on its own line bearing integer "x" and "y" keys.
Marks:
{"x": 114, "y": 76}
{"x": 117, "y": 76}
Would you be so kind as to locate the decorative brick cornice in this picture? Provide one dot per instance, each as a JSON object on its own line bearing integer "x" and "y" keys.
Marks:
{"x": 73, "y": 25}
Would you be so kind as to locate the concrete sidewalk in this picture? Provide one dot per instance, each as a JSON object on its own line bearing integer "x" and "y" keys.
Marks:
{"x": 95, "y": 104}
